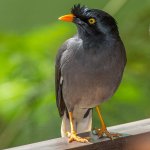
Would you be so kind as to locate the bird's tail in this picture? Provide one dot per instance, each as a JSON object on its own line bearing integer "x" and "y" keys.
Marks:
{"x": 82, "y": 125}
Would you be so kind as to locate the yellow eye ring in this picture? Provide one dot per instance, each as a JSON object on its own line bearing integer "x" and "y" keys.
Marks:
{"x": 91, "y": 21}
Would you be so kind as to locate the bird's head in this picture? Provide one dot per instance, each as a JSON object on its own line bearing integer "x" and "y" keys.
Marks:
{"x": 91, "y": 22}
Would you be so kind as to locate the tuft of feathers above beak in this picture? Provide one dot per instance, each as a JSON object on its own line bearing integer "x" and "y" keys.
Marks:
{"x": 79, "y": 10}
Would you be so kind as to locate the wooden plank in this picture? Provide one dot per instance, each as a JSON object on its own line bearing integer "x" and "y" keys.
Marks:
{"x": 127, "y": 126}
{"x": 132, "y": 135}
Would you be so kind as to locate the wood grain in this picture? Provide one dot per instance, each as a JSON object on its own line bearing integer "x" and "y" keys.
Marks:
{"x": 134, "y": 136}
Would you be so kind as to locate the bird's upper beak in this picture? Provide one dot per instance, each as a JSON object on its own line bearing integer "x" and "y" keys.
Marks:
{"x": 67, "y": 18}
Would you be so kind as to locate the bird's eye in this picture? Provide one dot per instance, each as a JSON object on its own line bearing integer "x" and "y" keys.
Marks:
{"x": 91, "y": 21}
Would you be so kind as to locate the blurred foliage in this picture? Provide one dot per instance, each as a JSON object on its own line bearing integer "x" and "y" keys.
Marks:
{"x": 27, "y": 98}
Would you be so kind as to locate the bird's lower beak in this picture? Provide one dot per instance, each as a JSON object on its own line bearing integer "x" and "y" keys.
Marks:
{"x": 67, "y": 18}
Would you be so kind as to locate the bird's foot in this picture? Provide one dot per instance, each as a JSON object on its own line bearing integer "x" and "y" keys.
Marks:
{"x": 103, "y": 131}
{"x": 73, "y": 137}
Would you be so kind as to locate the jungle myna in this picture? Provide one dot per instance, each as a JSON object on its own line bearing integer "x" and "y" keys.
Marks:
{"x": 89, "y": 69}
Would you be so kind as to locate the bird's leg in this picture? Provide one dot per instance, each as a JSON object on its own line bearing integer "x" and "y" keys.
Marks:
{"x": 103, "y": 130}
{"x": 73, "y": 135}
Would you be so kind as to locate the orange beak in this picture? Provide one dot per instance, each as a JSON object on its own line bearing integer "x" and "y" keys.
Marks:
{"x": 67, "y": 18}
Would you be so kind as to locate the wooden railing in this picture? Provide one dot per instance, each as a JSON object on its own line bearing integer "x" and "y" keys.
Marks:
{"x": 135, "y": 136}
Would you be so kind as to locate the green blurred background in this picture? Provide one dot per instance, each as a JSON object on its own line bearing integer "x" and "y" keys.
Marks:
{"x": 30, "y": 36}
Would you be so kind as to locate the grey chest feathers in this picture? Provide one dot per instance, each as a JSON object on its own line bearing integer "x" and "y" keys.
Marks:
{"x": 90, "y": 76}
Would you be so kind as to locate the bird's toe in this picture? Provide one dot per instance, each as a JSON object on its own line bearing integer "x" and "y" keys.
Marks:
{"x": 102, "y": 132}
{"x": 73, "y": 137}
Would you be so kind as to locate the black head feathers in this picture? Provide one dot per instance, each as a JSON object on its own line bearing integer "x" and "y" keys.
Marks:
{"x": 79, "y": 10}
{"x": 104, "y": 23}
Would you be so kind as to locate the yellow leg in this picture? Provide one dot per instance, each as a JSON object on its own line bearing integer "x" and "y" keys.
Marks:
{"x": 73, "y": 135}
{"x": 101, "y": 118}
{"x": 103, "y": 129}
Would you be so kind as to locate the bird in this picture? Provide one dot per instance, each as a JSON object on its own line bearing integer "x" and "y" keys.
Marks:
{"x": 88, "y": 70}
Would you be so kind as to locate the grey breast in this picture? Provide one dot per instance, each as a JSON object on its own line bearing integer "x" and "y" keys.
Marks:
{"x": 90, "y": 77}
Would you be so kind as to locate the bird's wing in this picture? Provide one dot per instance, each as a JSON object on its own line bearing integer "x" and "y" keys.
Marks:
{"x": 59, "y": 81}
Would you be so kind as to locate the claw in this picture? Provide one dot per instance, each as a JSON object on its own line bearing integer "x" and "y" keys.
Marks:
{"x": 101, "y": 132}
{"x": 73, "y": 137}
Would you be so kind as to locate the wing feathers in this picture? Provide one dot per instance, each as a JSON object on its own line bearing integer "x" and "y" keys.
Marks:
{"x": 59, "y": 81}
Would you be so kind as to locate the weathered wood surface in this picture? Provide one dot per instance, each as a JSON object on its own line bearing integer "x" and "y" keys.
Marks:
{"x": 135, "y": 136}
